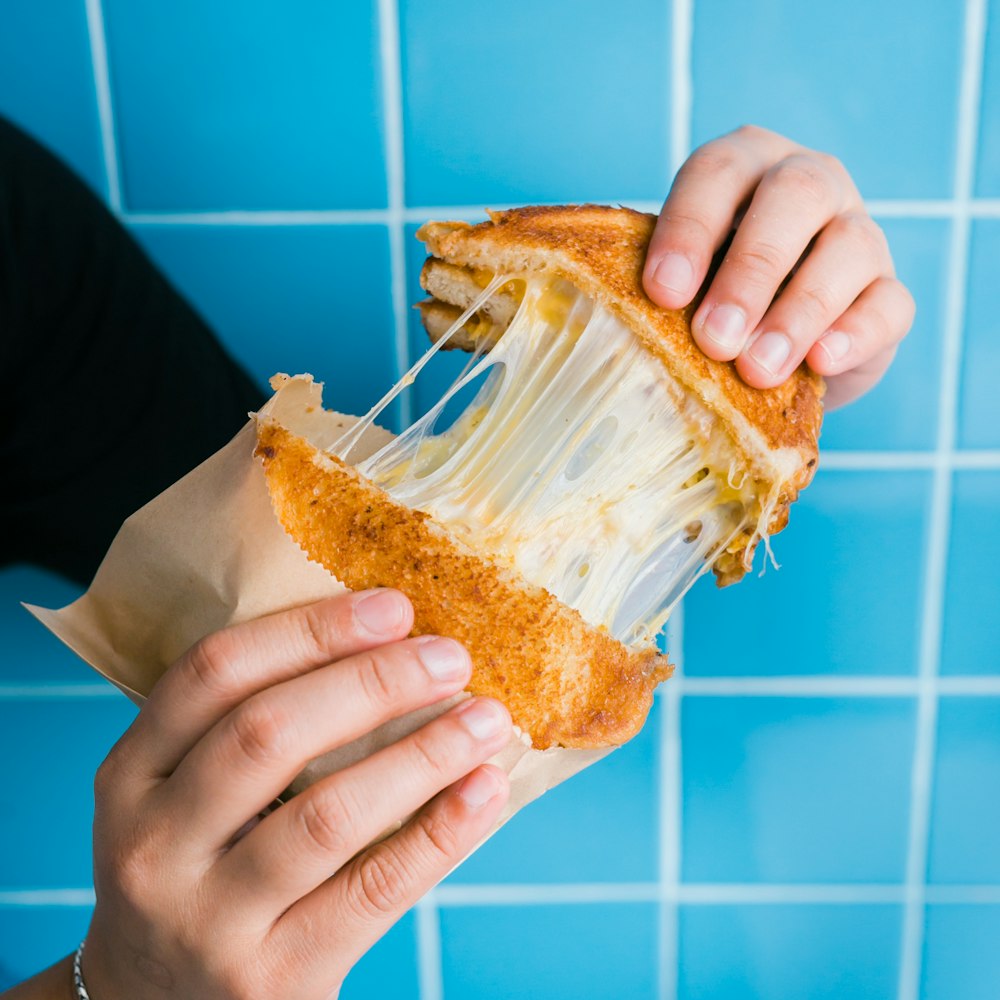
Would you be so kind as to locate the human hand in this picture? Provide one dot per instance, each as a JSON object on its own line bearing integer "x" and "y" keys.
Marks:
{"x": 190, "y": 903}
{"x": 796, "y": 212}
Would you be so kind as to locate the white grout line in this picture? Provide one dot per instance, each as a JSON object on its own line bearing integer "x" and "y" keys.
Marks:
{"x": 670, "y": 788}
{"x": 25, "y": 692}
{"x": 680, "y": 685}
{"x": 547, "y": 894}
{"x": 392, "y": 113}
{"x": 681, "y": 82}
{"x": 428, "y": 934}
{"x": 105, "y": 110}
{"x": 242, "y": 217}
{"x": 911, "y": 956}
{"x": 603, "y": 893}
{"x": 670, "y": 812}
{"x": 976, "y": 208}
{"x": 47, "y": 897}
{"x": 801, "y": 687}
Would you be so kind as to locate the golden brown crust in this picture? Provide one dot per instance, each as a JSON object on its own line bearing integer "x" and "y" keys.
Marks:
{"x": 601, "y": 250}
{"x": 565, "y": 682}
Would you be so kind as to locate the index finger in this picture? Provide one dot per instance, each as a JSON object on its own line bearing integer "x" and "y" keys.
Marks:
{"x": 699, "y": 212}
{"x": 229, "y": 666}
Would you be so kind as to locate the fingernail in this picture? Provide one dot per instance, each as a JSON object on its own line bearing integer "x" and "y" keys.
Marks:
{"x": 726, "y": 326}
{"x": 836, "y": 344}
{"x": 482, "y": 717}
{"x": 479, "y": 787}
{"x": 380, "y": 612}
{"x": 444, "y": 659}
{"x": 770, "y": 351}
{"x": 674, "y": 273}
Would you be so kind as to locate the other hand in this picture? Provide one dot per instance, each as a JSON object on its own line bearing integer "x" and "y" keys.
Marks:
{"x": 797, "y": 215}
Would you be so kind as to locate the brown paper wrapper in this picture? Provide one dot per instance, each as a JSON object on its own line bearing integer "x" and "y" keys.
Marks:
{"x": 208, "y": 553}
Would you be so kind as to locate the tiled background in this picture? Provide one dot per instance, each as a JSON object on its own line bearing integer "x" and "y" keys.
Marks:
{"x": 812, "y": 810}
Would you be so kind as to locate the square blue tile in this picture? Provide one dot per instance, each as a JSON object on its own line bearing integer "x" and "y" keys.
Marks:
{"x": 979, "y": 401}
{"x": 294, "y": 299}
{"x": 535, "y": 101}
{"x": 600, "y": 826}
{"x": 795, "y": 789}
{"x": 789, "y": 952}
{"x": 247, "y": 105}
{"x": 988, "y": 172}
{"x": 961, "y": 958}
{"x": 854, "y": 79}
{"x": 582, "y": 952}
{"x": 32, "y": 655}
{"x": 389, "y": 969}
{"x": 51, "y": 750}
{"x": 828, "y": 609}
{"x": 902, "y": 411}
{"x": 34, "y": 937}
{"x": 965, "y": 814}
{"x": 47, "y": 81}
{"x": 972, "y": 590}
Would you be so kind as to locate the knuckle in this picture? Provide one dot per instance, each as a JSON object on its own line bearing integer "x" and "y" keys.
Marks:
{"x": 863, "y": 230}
{"x": 212, "y": 661}
{"x": 259, "y": 732}
{"x": 318, "y": 630}
{"x": 694, "y": 228}
{"x": 806, "y": 176}
{"x": 426, "y": 754}
{"x": 440, "y": 835}
{"x": 379, "y": 682}
{"x": 380, "y": 885}
{"x": 716, "y": 157}
{"x": 325, "y": 823}
{"x": 759, "y": 263}
{"x": 818, "y": 302}
{"x": 751, "y": 132}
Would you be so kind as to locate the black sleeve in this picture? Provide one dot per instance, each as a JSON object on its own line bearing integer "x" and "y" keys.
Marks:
{"x": 113, "y": 387}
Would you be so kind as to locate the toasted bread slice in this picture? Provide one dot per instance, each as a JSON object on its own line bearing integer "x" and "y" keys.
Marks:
{"x": 601, "y": 250}
{"x": 565, "y": 682}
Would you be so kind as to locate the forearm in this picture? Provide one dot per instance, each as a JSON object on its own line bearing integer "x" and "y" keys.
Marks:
{"x": 55, "y": 983}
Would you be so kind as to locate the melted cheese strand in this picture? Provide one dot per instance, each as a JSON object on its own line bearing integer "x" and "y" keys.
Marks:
{"x": 573, "y": 465}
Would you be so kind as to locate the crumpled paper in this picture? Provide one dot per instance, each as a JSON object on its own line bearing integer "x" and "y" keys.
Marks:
{"x": 208, "y": 553}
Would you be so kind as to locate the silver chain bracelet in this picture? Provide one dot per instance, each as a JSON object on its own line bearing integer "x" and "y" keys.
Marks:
{"x": 81, "y": 989}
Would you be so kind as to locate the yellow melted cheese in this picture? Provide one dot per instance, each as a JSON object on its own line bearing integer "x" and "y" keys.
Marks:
{"x": 574, "y": 464}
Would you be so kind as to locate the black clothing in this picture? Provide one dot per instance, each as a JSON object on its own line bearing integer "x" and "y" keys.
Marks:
{"x": 112, "y": 388}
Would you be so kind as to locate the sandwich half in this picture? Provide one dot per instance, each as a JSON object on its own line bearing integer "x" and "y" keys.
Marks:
{"x": 557, "y": 501}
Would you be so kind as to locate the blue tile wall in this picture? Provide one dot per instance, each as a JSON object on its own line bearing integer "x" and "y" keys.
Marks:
{"x": 51, "y": 748}
{"x": 818, "y": 72}
{"x": 795, "y": 789}
{"x": 272, "y": 130}
{"x": 610, "y": 811}
{"x": 33, "y": 938}
{"x": 255, "y": 107}
{"x": 294, "y": 299}
{"x": 389, "y": 969}
{"x": 960, "y": 954}
{"x": 902, "y": 411}
{"x": 972, "y": 611}
{"x": 988, "y": 172}
{"x": 842, "y": 533}
{"x": 534, "y": 100}
{"x": 966, "y": 811}
{"x": 30, "y": 655}
{"x": 551, "y": 952}
{"x": 775, "y": 952}
{"x": 979, "y": 402}
{"x": 47, "y": 81}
